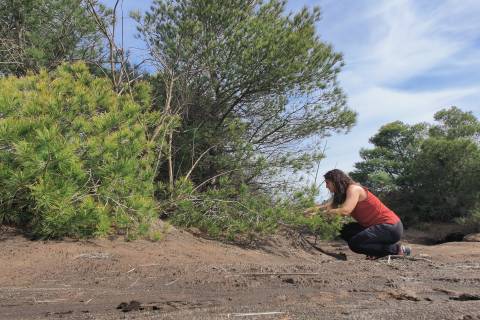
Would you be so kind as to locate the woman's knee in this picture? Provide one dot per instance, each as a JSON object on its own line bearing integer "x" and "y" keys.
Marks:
{"x": 355, "y": 247}
{"x": 350, "y": 230}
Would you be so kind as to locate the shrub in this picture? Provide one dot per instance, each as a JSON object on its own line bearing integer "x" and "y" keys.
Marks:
{"x": 74, "y": 156}
{"x": 241, "y": 215}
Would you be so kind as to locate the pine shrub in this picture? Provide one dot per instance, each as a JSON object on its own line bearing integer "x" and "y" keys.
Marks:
{"x": 74, "y": 156}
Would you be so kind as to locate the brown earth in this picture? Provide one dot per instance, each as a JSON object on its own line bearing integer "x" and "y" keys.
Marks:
{"x": 188, "y": 277}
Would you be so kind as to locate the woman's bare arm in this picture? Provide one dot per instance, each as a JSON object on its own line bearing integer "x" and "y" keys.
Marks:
{"x": 353, "y": 195}
{"x": 319, "y": 207}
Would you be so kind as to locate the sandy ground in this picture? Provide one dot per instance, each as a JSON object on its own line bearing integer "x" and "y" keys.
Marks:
{"x": 187, "y": 277}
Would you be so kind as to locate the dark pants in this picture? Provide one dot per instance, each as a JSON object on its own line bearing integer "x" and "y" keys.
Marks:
{"x": 378, "y": 241}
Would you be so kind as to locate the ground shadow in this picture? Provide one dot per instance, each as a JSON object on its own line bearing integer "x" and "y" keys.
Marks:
{"x": 9, "y": 232}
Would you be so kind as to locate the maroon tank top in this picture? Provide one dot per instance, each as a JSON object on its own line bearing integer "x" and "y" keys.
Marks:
{"x": 372, "y": 211}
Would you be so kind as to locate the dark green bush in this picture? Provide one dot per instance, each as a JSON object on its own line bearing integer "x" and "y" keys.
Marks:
{"x": 426, "y": 172}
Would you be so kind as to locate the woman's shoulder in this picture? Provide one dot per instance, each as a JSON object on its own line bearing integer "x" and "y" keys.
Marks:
{"x": 356, "y": 187}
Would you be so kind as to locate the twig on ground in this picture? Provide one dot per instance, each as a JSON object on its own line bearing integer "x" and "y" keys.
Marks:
{"x": 409, "y": 258}
{"x": 150, "y": 265}
{"x": 465, "y": 266}
{"x": 98, "y": 255}
{"x": 274, "y": 274}
{"x": 48, "y": 301}
{"x": 254, "y": 314}
{"x": 446, "y": 291}
{"x": 134, "y": 283}
{"x": 32, "y": 289}
{"x": 172, "y": 282}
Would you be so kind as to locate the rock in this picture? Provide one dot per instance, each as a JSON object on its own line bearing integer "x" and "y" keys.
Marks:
{"x": 472, "y": 237}
{"x": 132, "y": 306}
{"x": 452, "y": 237}
{"x": 195, "y": 231}
{"x": 466, "y": 297}
{"x": 404, "y": 295}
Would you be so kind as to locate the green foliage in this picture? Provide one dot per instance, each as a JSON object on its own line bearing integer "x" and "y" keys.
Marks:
{"x": 242, "y": 215}
{"x": 385, "y": 167}
{"x": 471, "y": 221}
{"x": 252, "y": 83}
{"x": 74, "y": 156}
{"x": 39, "y": 34}
{"x": 454, "y": 123}
{"x": 448, "y": 178}
{"x": 243, "y": 83}
{"x": 426, "y": 172}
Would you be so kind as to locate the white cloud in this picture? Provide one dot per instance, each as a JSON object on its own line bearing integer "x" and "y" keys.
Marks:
{"x": 381, "y": 104}
{"x": 403, "y": 42}
{"x": 391, "y": 49}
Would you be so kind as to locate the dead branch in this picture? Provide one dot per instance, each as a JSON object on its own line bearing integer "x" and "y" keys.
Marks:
{"x": 338, "y": 256}
{"x": 198, "y": 160}
{"x": 119, "y": 77}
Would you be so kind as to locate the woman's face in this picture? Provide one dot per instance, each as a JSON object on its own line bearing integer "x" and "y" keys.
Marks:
{"x": 330, "y": 186}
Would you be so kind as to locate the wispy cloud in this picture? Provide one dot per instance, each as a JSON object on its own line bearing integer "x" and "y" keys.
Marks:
{"x": 405, "y": 60}
{"x": 403, "y": 39}
{"x": 386, "y": 104}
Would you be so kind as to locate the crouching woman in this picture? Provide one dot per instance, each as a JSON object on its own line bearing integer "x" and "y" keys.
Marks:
{"x": 378, "y": 229}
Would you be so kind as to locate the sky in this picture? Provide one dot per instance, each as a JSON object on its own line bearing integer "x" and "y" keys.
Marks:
{"x": 404, "y": 60}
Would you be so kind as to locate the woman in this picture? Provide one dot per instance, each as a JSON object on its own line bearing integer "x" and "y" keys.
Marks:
{"x": 378, "y": 229}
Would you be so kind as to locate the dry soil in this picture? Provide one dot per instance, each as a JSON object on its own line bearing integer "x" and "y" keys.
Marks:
{"x": 189, "y": 277}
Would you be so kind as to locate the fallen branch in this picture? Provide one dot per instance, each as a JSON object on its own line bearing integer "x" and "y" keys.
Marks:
{"x": 338, "y": 256}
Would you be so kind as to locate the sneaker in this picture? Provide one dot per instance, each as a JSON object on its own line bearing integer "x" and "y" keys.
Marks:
{"x": 405, "y": 251}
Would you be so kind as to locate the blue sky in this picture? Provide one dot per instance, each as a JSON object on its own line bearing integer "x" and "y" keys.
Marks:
{"x": 404, "y": 60}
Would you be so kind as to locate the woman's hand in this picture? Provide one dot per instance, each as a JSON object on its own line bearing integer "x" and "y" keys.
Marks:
{"x": 329, "y": 212}
{"x": 310, "y": 212}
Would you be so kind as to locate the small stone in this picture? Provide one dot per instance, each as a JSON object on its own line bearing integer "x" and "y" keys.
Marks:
{"x": 289, "y": 280}
{"x": 472, "y": 237}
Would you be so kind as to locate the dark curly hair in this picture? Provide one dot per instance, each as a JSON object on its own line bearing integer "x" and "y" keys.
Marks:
{"x": 340, "y": 181}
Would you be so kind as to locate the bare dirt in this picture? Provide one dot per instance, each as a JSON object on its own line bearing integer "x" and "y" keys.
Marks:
{"x": 188, "y": 277}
